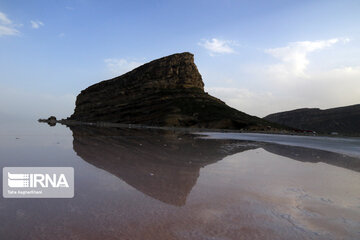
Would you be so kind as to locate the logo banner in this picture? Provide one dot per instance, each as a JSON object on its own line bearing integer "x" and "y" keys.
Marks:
{"x": 38, "y": 182}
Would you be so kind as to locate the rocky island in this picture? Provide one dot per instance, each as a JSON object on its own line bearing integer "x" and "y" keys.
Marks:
{"x": 165, "y": 92}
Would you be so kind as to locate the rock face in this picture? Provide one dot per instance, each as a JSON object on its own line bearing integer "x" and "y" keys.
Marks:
{"x": 165, "y": 92}
{"x": 345, "y": 120}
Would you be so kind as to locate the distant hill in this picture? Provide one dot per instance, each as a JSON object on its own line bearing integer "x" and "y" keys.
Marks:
{"x": 343, "y": 120}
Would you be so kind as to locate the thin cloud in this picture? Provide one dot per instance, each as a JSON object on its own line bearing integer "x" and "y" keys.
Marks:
{"x": 118, "y": 66}
{"x": 294, "y": 56}
{"x": 7, "y": 28}
{"x": 290, "y": 84}
{"x": 10, "y": 31}
{"x": 259, "y": 103}
{"x": 333, "y": 88}
{"x": 217, "y": 46}
{"x": 36, "y": 24}
{"x": 4, "y": 19}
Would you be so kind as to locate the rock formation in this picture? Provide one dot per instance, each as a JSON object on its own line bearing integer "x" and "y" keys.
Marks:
{"x": 343, "y": 120}
{"x": 165, "y": 92}
{"x": 51, "y": 121}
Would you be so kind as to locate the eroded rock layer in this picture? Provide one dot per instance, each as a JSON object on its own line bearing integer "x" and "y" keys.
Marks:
{"x": 165, "y": 92}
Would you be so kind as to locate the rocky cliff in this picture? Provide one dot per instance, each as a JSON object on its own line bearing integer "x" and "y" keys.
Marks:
{"x": 344, "y": 120}
{"x": 165, "y": 92}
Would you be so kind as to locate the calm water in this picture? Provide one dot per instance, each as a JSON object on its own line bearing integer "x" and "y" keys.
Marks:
{"x": 142, "y": 184}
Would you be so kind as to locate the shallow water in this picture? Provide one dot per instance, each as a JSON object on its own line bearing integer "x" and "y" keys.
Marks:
{"x": 147, "y": 184}
{"x": 344, "y": 145}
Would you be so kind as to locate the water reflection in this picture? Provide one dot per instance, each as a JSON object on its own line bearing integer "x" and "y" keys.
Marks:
{"x": 314, "y": 156}
{"x": 165, "y": 165}
{"x": 162, "y": 164}
{"x": 152, "y": 184}
{"x": 257, "y": 184}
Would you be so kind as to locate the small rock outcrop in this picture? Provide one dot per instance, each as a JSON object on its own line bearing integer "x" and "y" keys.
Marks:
{"x": 50, "y": 120}
{"x": 165, "y": 92}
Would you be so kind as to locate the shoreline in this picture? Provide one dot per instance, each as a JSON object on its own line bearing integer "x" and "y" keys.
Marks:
{"x": 194, "y": 130}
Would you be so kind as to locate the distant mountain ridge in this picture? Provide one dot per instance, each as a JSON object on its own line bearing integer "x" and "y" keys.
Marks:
{"x": 344, "y": 120}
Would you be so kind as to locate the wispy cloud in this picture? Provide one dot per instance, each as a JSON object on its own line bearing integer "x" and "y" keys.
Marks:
{"x": 333, "y": 88}
{"x": 217, "y": 46}
{"x": 36, "y": 24}
{"x": 296, "y": 80}
{"x": 7, "y": 28}
{"x": 294, "y": 56}
{"x": 4, "y": 19}
{"x": 259, "y": 102}
{"x": 118, "y": 66}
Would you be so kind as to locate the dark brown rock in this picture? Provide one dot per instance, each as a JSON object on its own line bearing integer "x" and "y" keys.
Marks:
{"x": 50, "y": 120}
{"x": 165, "y": 92}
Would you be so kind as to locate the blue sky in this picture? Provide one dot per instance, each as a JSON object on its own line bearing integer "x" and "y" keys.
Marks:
{"x": 258, "y": 56}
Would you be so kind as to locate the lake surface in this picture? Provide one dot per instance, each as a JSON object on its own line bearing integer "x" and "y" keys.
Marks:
{"x": 154, "y": 184}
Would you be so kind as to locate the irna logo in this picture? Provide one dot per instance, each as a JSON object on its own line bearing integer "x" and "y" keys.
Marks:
{"x": 30, "y": 180}
{"x": 38, "y": 182}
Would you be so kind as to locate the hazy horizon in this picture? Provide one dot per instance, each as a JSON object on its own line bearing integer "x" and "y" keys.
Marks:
{"x": 259, "y": 57}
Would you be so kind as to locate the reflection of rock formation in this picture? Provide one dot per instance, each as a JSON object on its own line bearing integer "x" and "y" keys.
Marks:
{"x": 162, "y": 165}
{"x": 313, "y": 155}
{"x": 165, "y": 165}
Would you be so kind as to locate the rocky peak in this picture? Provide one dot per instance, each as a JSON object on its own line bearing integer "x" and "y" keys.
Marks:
{"x": 171, "y": 72}
{"x": 168, "y": 91}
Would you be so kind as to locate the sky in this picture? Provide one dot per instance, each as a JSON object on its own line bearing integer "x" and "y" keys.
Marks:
{"x": 259, "y": 57}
